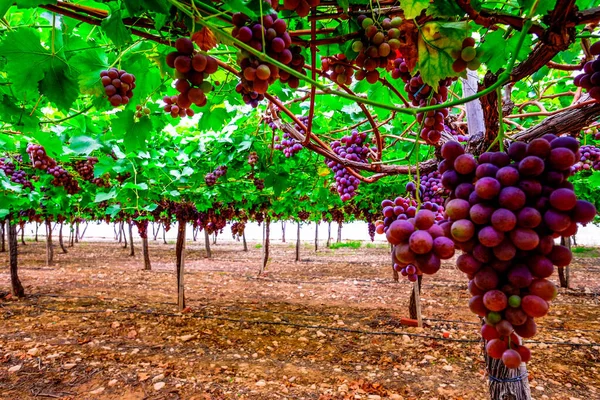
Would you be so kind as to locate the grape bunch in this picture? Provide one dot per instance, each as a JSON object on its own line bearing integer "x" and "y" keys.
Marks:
{"x": 303, "y": 215}
{"x": 252, "y": 158}
{"x": 288, "y": 144}
{"x": 211, "y": 178}
{"x": 302, "y": 7}
{"x": 85, "y": 168}
{"x": 419, "y": 244}
{"x": 594, "y": 131}
{"x": 431, "y": 188}
{"x": 372, "y": 228}
{"x": 458, "y": 135}
{"x": 62, "y": 177}
{"x": 354, "y": 148}
{"x": 16, "y": 175}
{"x": 39, "y": 158}
{"x": 404, "y": 208}
{"x": 192, "y": 70}
{"x": 421, "y": 95}
{"x": 118, "y": 85}
{"x": 505, "y": 212}
{"x": 590, "y": 78}
{"x": 237, "y": 229}
{"x": 466, "y": 57}
{"x": 589, "y": 159}
{"x": 142, "y": 227}
{"x": 257, "y": 75}
{"x": 141, "y": 111}
{"x": 338, "y": 69}
{"x": 377, "y": 46}
{"x": 259, "y": 183}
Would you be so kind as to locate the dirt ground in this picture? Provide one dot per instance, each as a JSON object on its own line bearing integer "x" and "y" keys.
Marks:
{"x": 95, "y": 326}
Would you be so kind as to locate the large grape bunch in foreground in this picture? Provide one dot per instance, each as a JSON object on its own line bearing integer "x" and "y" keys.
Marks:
{"x": 504, "y": 212}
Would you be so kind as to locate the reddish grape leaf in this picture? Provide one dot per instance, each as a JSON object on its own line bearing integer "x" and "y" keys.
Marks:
{"x": 205, "y": 39}
{"x": 409, "y": 36}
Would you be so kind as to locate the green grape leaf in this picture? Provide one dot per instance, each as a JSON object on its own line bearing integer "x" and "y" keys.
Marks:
{"x": 444, "y": 8}
{"x": 113, "y": 209}
{"x": 84, "y": 145}
{"x": 115, "y": 29}
{"x": 58, "y": 86}
{"x": 437, "y": 41}
{"x": 25, "y": 60}
{"x": 101, "y": 196}
{"x": 493, "y": 51}
{"x": 87, "y": 66}
{"x": 413, "y": 8}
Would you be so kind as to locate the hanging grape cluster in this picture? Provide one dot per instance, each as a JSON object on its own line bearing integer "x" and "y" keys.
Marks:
{"x": 590, "y": 78}
{"x": 18, "y": 176}
{"x": 419, "y": 243}
{"x": 39, "y": 157}
{"x": 301, "y": 7}
{"x": 211, "y": 178}
{"x": 589, "y": 159}
{"x": 237, "y": 229}
{"x": 422, "y": 95}
{"x": 118, "y": 85}
{"x": 252, "y": 158}
{"x": 287, "y": 143}
{"x": 303, "y": 215}
{"x": 372, "y": 228}
{"x": 192, "y": 70}
{"x": 431, "y": 188}
{"x": 505, "y": 213}
{"x": 257, "y": 75}
{"x": 376, "y": 47}
{"x": 338, "y": 69}
{"x": 62, "y": 177}
{"x": 466, "y": 57}
{"x": 259, "y": 183}
{"x": 85, "y": 169}
{"x": 141, "y": 111}
{"x": 354, "y": 148}
{"x": 404, "y": 208}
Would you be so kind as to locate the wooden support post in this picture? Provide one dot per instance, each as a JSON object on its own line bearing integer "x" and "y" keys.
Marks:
{"x": 60, "y": 239}
{"x": 244, "y": 240}
{"x": 328, "y": 235}
{"x": 180, "y": 255}
{"x": 49, "y": 247}
{"x": 132, "y": 249}
{"x": 2, "y": 238}
{"x": 147, "y": 264}
{"x": 564, "y": 272}
{"x": 316, "y": 235}
{"x": 394, "y": 272}
{"x": 298, "y": 243}
{"x": 417, "y": 292}
{"x": 16, "y": 286}
{"x": 339, "y": 235}
{"x": 266, "y": 242}
{"x": 207, "y": 244}
{"x": 22, "y": 225}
